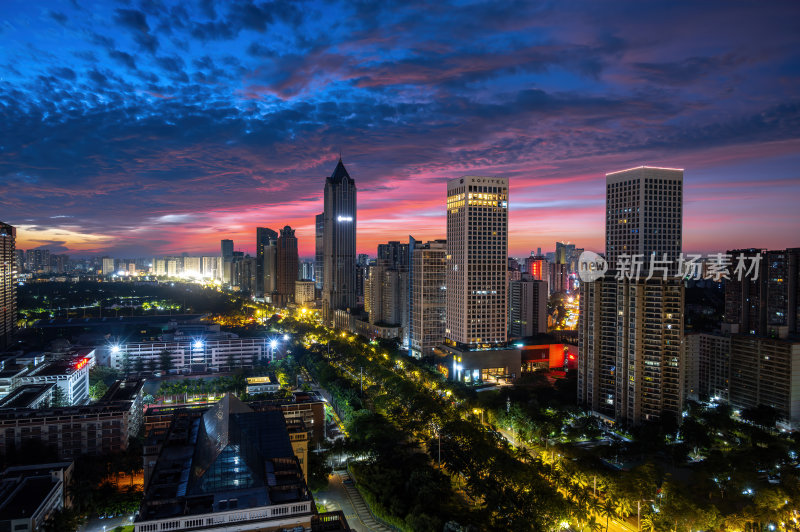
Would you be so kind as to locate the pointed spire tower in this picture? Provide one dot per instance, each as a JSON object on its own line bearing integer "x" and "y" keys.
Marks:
{"x": 339, "y": 243}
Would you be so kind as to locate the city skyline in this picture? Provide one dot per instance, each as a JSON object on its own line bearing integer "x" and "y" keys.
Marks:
{"x": 137, "y": 128}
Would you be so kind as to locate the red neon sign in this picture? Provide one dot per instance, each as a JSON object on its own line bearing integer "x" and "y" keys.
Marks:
{"x": 81, "y": 363}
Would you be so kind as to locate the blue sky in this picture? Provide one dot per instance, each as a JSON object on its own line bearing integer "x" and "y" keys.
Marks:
{"x": 149, "y": 127}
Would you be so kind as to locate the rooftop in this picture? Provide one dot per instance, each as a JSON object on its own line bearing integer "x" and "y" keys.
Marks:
{"x": 228, "y": 457}
{"x": 22, "y": 497}
{"x": 26, "y": 395}
{"x": 126, "y": 390}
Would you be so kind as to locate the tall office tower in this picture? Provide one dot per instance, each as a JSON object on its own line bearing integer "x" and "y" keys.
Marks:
{"x": 770, "y": 304}
{"x": 339, "y": 266}
{"x": 108, "y": 266}
{"x": 362, "y": 260}
{"x": 287, "y": 265}
{"x": 265, "y": 237}
{"x": 644, "y": 214}
{"x": 319, "y": 250}
{"x": 427, "y": 296}
{"x": 477, "y": 249}
{"x": 8, "y": 283}
{"x": 528, "y": 302}
{"x": 630, "y": 331}
{"x": 227, "y": 258}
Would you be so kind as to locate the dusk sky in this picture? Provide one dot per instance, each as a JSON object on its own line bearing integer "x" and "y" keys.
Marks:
{"x": 145, "y": 127}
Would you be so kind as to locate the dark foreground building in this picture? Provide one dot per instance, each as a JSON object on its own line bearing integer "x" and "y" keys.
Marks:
{"x": 229, "y": 468}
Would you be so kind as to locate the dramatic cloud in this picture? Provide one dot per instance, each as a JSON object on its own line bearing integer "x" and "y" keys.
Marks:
{"x": 160, "y": 127}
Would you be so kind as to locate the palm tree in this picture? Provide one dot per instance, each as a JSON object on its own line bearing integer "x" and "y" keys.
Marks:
{"x": 606, "y": 510}
{"x": 623, "y": 507}
{"x": 648, "y": 523}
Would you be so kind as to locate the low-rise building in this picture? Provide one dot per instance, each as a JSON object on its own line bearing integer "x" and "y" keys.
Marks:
{"x": 189, "y": 355}
{"x": 95, "y": 429}
{"x": 229, "y": 466}
{"x": 70, "y": 375}
{"x": 128, "y": 391}
{"x": 29, "y": 396}
{"x": 306, "y": 406}
{"x": 30, "y": 494}
{"x": 266, "y": 384}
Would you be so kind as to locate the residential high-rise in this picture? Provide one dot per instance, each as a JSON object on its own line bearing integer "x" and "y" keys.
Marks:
{"x": 339, "y": 269}
{"x": 287, "y": 265}
{"x": 108, "y": 266}
{"x": 265, "y": 237}
{"x": 707, "y": 359}
{"x": 38, "y": 260}
{"x": 428, "y": 296}
{"x": 766, "y": 301}
{"x": 19, "y": 255}
{"x": 644, "y": 214}
{"x": 559, "y": 278}
{"x": 227, "y": 258}
{"x": 319, "y": 250}
{"x": 8, "y": 283}
{"x": 395, "y": 254}
{"x": 630, "y": 365}
{"x": 212, "y": 267}
{"x": 766, "y": 371}
{"x": 528, "y": 302}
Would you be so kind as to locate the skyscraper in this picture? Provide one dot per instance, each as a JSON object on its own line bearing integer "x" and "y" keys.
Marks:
{"x": 319, "y": 250}
{"x": 630, "y": 330}
{"x": 477, "y": 249}
{"x": 265, "y": 269}
{"x": 477, "y": 268}
{"x": 227, "y": 258}
{"x": 287, "y": 265}
{"x": 427, "y": 301}
{"x": 8, "y": 283}
{"x": 339, "y": 269}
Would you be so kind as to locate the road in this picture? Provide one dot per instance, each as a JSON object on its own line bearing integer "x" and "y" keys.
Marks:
{"x": 345, "y": 497}
{"x": 105, "y": 525}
